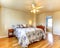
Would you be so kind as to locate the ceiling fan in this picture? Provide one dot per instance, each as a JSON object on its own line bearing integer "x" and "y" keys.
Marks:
{"x": 35, "y": 8}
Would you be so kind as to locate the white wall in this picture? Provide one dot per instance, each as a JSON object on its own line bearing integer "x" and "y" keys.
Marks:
{"x": 41, "y": 19}
{"x": 1, "y": 33}
{"x": 56, "y": 23}
{"x": 0, "y": 20}
{"x": 11, "y": 17}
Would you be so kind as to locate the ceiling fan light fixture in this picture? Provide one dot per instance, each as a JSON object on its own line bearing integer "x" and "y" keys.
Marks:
{"x": 34, "y": 11}
{"x": 37, "y": 10}
{"x": 33, "y": 6}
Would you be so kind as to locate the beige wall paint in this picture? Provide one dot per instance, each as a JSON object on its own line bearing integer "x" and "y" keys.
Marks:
{"x": 1, "y": 33}
{"x": 0, "y": 19}
{"x": 41, "y": 19}
{"x": 11, "y": 17}
{"x": 56, "y": 23}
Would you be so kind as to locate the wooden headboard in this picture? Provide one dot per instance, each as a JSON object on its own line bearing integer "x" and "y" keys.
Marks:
{"x": 42, "y": 27}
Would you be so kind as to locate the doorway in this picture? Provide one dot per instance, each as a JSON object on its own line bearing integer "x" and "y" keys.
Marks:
{"x": 49, "y": 24}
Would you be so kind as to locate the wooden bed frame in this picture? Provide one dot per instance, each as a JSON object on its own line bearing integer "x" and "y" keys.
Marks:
{"x": 42, "y": 27}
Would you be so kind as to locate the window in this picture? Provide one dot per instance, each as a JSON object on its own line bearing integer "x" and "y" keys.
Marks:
{"x": 50, "y": 22}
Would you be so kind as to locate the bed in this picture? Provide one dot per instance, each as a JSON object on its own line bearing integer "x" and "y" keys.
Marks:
{"x": 27, "y": 36}
{"x": 41, "y": 27}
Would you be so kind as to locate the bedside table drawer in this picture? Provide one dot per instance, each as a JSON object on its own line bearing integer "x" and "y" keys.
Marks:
{"x": 10, "y": 32}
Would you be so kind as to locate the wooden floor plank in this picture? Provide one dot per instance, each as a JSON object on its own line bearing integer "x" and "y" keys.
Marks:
{"x": 13, "y": 43}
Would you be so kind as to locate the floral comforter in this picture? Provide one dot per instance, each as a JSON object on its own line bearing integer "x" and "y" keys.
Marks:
{"x": 27, "y": 36}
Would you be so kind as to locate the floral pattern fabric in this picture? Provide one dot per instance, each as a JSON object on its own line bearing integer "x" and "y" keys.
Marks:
{"x": 27, "y": 36}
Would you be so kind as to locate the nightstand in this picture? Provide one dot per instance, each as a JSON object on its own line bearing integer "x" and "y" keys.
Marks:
{"x": 10, "y": 32}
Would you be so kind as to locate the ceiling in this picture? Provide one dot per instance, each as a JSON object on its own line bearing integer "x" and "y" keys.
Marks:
{"x": 25, "y": 5}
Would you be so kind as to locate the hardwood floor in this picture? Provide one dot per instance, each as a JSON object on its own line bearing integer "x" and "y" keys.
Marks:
{"x": 13, "y": 43}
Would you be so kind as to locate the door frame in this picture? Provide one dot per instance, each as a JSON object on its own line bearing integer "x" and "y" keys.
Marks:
{"x": 52, "y": 24}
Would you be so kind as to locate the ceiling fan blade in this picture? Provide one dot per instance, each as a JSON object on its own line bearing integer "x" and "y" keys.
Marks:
{"x": 39, "y": 7}
{"x": 33, "y": 6}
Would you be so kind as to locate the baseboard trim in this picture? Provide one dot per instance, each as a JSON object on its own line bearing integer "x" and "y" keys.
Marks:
{"x": 56, "y": 34}
{"x": 3, "y": 36}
